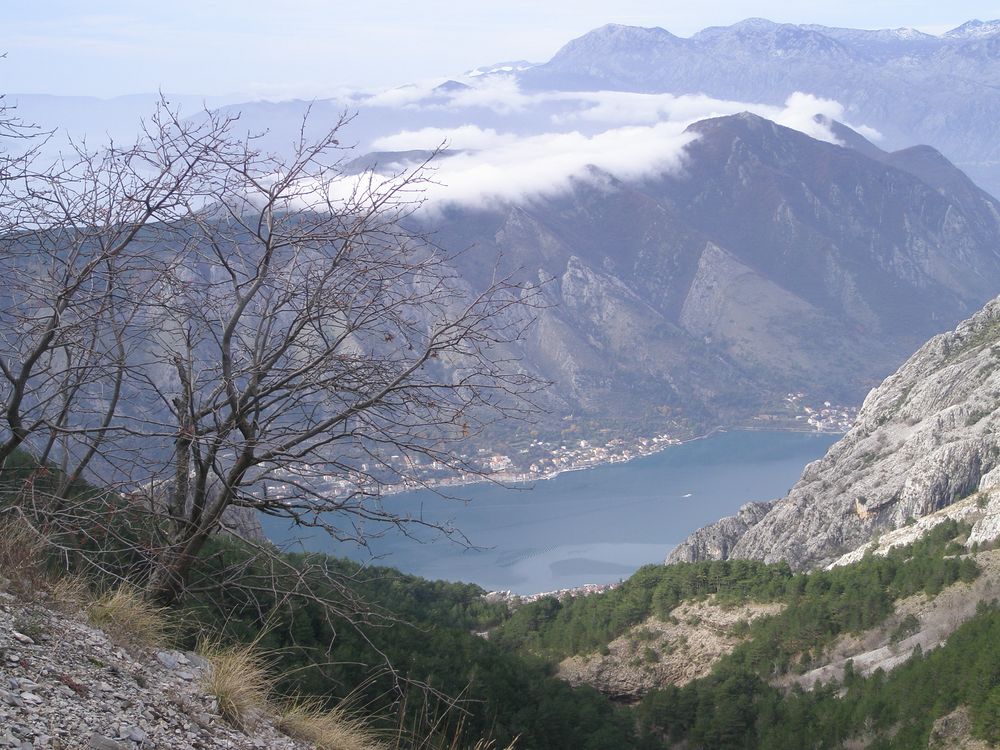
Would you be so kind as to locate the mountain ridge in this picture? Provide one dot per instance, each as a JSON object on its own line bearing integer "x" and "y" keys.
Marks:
{"x": 912, "y": 87}
{"x": 841, "y": 263}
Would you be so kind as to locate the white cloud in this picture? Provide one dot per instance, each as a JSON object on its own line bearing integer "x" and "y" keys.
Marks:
{"x": 870, "y": 133}
{"x": 542, "y": 165}
{"x": 498, "y": 93}
{"x": 402, "y": 96}
{"x": 627, "y": 107}
{"x": 463, "y": 137}
{"x": 588, "y": 136}
{"x": 799, "y": 113}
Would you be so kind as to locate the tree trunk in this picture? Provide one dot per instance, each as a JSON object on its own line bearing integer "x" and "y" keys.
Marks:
{"x": 167, "y": 583}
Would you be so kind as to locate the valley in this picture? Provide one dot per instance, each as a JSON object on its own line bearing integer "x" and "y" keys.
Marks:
{"x": 643, "y": 396}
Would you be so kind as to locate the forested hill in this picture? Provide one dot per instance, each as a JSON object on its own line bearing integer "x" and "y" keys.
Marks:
{"x": 885, "y": 651}
{"x": 760, "y": 691}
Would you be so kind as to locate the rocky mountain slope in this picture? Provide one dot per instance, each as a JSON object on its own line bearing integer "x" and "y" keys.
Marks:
{"x": 911, "y": 86}
{"x": 68, "y": 685}
{"x": 927, "y": 437}
{"x": 770, "y": 263}
{"x": 774, "y": 263}
{"x": 682, "y": 648}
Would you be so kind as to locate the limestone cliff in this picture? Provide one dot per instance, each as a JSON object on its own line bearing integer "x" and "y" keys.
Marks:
{"x": 923, "y": 439}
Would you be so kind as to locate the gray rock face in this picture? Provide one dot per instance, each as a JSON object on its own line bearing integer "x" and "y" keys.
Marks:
{"x": 928, "y": 436}
{"x": 715, "y": 542}
{"x": 76, "y": 688}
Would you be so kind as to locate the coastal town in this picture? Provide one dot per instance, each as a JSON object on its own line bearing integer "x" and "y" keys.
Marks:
{"x": 825, "y": 418}
{"x": 539, "y": 459}
{"x": 513, "y": 601}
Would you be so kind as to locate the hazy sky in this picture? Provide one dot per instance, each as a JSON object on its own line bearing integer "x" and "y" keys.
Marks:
{"x": 310, "y": 47}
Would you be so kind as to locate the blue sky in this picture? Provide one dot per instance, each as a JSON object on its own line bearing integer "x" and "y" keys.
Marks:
{"x": 311, "y": 48}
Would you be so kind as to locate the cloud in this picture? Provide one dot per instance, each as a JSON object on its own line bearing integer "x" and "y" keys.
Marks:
{"x": 628, "y": 107}
{"x": 799, "y": 113}
{"x": 568, "y": 109}
{"x": 510, "y": 170}
{"x": 498, "y": 93}
{"x": 539, "y": 144}
{"x": 463, "y": 137}
{"x": 870, "y": 133}
{"x": 401, "y": 96}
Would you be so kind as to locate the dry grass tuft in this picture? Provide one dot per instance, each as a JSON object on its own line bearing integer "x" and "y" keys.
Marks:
{"x": 129, "y": 619}
{"x": 240, "y": 681}
{"x": 22, "y": 553}
{"x": 69, "y": 594}
{"x": 327, "y": 729}
{"x": 483, "y": 744}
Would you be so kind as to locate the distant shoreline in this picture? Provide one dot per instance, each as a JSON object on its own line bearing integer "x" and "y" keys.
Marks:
{"x": 674, "y": 442}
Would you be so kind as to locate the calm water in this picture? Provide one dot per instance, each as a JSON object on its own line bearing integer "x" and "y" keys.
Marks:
{"x": 592, "y": 526}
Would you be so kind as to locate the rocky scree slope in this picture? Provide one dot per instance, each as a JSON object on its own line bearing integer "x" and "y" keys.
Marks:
{"x": 68, "y": 686}
{"x": 682, "y": 648}
{"x": 923, "y": 439}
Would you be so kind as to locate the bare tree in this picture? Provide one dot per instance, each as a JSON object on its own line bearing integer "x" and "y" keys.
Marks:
{"x": 309, "y": 337}
{"x": 78, "y": 246}
{"x": 197, "y": 327}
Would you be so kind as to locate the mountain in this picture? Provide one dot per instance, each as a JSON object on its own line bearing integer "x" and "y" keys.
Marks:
{"x": 912, "y": 87}
{"x": 974, "y": 29}
{"x": 925, "y": 438}
{"x": 770, "y": 263}
{"x": 773, "y": 263}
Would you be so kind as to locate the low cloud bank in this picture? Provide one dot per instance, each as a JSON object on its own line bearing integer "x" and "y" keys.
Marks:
{"x": 590, "y": 136}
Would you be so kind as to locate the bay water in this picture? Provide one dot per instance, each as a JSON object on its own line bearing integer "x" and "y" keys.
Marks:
{"x": 595, "y": 525}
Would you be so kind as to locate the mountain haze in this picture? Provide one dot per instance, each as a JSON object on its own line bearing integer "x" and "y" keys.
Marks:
{"x": 912, "y": 87}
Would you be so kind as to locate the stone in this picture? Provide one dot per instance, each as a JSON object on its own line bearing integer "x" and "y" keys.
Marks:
{"x": 100, "y": 742}
{"x": 168, "y": 659}
{"x": 135, "y": 734}
{"x": 199, "y": 662}
{"x": 81, "y": 691}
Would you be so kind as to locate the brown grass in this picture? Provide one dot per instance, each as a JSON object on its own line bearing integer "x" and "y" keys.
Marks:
{"x": 69, "y": 594}
{"x": 240, "y": 681}
{"x": 129, "y": 619}
{"x": 327, "y": 729}
{"x": 22, "y": 553}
